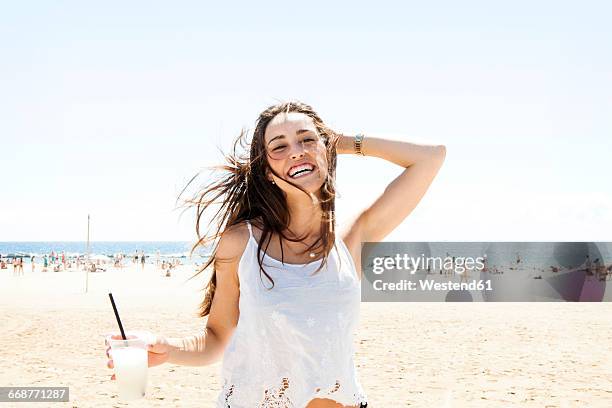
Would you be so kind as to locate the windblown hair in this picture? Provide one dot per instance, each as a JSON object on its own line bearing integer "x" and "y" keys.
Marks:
{"x": 243, "y": 192}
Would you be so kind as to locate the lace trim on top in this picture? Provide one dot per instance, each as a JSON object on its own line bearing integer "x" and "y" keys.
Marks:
{"x": 278, "y": 397}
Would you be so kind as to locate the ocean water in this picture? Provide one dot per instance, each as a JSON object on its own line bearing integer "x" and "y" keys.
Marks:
{"x": 503, "y": 254}
{"x": 174, "y": 249}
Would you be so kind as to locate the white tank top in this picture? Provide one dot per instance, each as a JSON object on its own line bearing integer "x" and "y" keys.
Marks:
{"x": 294, "y": 342}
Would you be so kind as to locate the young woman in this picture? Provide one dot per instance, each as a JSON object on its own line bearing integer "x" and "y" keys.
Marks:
{"x": 283, "y": 298}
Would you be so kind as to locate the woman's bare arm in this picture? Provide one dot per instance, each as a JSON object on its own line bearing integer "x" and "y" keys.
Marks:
{"x": 421, "y": 163}
{"x": 208, "y": 347}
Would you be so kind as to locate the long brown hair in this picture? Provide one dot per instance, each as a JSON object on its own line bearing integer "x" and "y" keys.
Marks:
{"x": 243, "y": 192}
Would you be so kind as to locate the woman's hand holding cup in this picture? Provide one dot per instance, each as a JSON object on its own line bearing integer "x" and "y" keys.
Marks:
{"x": 158, "y": 349}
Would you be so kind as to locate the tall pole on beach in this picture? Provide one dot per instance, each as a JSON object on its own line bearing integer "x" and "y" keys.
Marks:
{"x": 87, "y": 264}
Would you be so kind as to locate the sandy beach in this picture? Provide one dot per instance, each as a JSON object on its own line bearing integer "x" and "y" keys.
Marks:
{"x": 409, "y": 354}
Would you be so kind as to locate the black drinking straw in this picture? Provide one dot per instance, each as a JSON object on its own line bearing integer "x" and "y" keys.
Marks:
{"x": 110, "y": 295}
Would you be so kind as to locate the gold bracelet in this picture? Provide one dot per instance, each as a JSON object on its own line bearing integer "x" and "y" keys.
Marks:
{"x": 358, "y": 143}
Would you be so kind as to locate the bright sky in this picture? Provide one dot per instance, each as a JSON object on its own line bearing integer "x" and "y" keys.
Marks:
{"x": 108, "y": 108}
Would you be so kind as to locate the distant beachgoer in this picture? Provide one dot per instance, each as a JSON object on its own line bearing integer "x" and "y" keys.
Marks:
{"x": 20, "y": 266}
{"x": 465, "y": 275}
{"x": 446, "y": 267}
{"x": 600, "y": 269}
{"x": 588, "y": 270}
{"x": 64, "y": 260}
{"x": 33, "y": 263}
{"x": 135, "y": 260}
{"x": 142, "y": 259}
{"x": 45, "y": 263}
{"x": 518, "y": 258}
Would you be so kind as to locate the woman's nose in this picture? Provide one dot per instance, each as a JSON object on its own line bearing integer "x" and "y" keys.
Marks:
{"x": 297, "y": 150}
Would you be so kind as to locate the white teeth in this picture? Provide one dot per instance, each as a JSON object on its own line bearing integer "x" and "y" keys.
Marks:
{"x": 300, "y": 170}
{"x": 301, "y": 173}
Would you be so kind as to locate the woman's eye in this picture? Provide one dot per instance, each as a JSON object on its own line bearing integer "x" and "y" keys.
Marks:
{"x": 278, "y": 148}
{"x": 309, "y": 139}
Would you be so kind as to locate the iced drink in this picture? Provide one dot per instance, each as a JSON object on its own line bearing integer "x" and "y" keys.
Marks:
{"x": 131, "y": 362}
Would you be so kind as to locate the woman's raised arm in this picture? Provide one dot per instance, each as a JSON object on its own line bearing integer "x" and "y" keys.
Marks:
{"x": 421, "y": 163}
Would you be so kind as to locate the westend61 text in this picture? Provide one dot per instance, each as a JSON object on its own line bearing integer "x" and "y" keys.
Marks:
{"x": 430, "y": 285}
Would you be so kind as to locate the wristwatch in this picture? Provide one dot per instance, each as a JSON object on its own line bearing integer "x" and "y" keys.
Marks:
{"x": 357, "y": 143}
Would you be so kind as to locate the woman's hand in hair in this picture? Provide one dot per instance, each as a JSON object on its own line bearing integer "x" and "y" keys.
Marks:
{"x": 345, "y": 144}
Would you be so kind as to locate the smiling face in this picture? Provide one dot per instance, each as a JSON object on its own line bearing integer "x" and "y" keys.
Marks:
{"x": 296, "y": 152}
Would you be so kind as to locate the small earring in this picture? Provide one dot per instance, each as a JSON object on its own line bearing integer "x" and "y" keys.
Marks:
{"x": 273, "y": 182}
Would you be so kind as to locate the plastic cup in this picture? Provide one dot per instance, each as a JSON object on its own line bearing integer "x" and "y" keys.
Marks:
{"x": 130, "y": 358}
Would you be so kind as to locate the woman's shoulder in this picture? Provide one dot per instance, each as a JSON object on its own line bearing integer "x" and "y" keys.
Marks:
{"x": 233, "y": 241}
